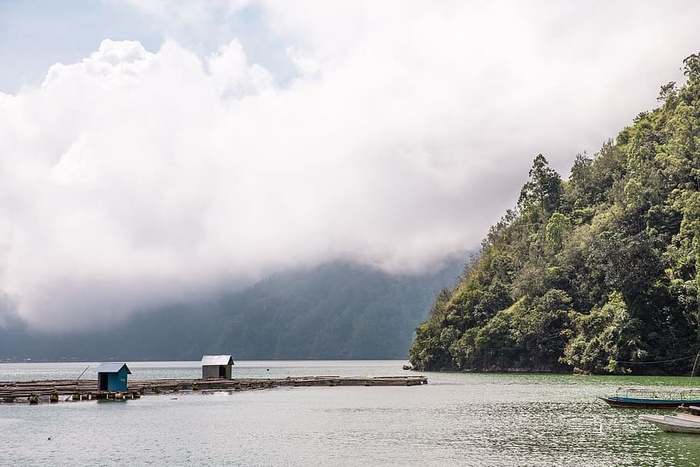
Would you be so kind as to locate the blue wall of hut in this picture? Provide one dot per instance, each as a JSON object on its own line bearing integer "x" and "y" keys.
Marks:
{"x": 117, "y": 382}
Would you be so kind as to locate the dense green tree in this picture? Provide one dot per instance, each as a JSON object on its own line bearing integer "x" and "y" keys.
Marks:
{"x": 540, "y": 196}
{"x": 598, "y": 272}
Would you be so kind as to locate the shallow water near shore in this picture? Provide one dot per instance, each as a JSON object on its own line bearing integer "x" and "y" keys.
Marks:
{"x": 457, "y": 419}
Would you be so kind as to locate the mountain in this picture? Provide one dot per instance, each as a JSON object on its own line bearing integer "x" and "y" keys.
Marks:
{"x": 334, "y": 311}
{"x": 598, "y": 273}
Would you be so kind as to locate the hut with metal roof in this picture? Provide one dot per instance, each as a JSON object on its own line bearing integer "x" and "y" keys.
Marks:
{"x": 112, "y": 377}
{"x": 217, "y": 366}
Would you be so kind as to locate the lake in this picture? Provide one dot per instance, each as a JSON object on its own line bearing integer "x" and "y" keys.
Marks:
{"x": 461, "y": 419}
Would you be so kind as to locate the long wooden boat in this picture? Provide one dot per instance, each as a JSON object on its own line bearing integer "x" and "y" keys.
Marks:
{"x": 653, "y": 398}
{"x": 643, "y": 403}
{"x": 674, "y": 423}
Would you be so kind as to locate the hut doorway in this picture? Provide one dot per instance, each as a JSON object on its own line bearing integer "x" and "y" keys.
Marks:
{"x": 103, "y": 384}
{"x": 222, "y": 371}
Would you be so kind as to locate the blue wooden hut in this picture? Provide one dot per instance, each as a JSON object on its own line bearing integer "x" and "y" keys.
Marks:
{"x": 217, "y": 366}
{"x": 112, "y": 377}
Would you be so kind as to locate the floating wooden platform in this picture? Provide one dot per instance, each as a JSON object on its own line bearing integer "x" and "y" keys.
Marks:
{"x": 34, "y": 392}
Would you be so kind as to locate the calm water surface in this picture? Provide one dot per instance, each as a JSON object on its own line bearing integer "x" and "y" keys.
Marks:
{"x": 457, "y": 419}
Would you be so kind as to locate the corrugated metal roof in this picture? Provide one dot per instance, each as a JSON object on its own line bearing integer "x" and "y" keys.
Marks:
{"x": 111, "y": 367}
{"x": 208, "y": 360}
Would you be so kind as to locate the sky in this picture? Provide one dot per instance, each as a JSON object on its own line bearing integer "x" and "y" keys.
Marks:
{"x": 153, "y": 151}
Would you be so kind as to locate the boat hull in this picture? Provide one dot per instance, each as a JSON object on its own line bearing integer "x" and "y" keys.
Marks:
{"x": 673, "y": 424}
{"x": 643, "y": 403}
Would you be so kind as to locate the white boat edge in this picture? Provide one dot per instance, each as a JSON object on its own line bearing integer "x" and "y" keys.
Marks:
{"x": 672, "y": 423}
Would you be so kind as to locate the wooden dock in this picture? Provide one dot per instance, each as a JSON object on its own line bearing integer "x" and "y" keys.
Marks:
{"x": 34, "y": 392}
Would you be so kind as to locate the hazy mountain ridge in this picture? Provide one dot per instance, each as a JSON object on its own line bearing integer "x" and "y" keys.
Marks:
{"x": 334, "y": 311}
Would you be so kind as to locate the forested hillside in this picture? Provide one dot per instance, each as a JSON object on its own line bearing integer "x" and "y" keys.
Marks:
{"x": 598, "y": 273}
{"x": 336, "y": 311}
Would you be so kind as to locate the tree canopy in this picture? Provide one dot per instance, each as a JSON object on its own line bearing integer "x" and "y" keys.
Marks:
{"x": 598, "y": 273}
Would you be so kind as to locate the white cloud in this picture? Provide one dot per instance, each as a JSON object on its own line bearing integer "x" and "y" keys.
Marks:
{"x": 134, "y": 177}
{"x": 307, "y": 65}
{"x": 233, "y": 76}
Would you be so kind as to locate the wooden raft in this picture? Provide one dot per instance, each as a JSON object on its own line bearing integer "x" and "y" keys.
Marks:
{"x": 76, "y": 390}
